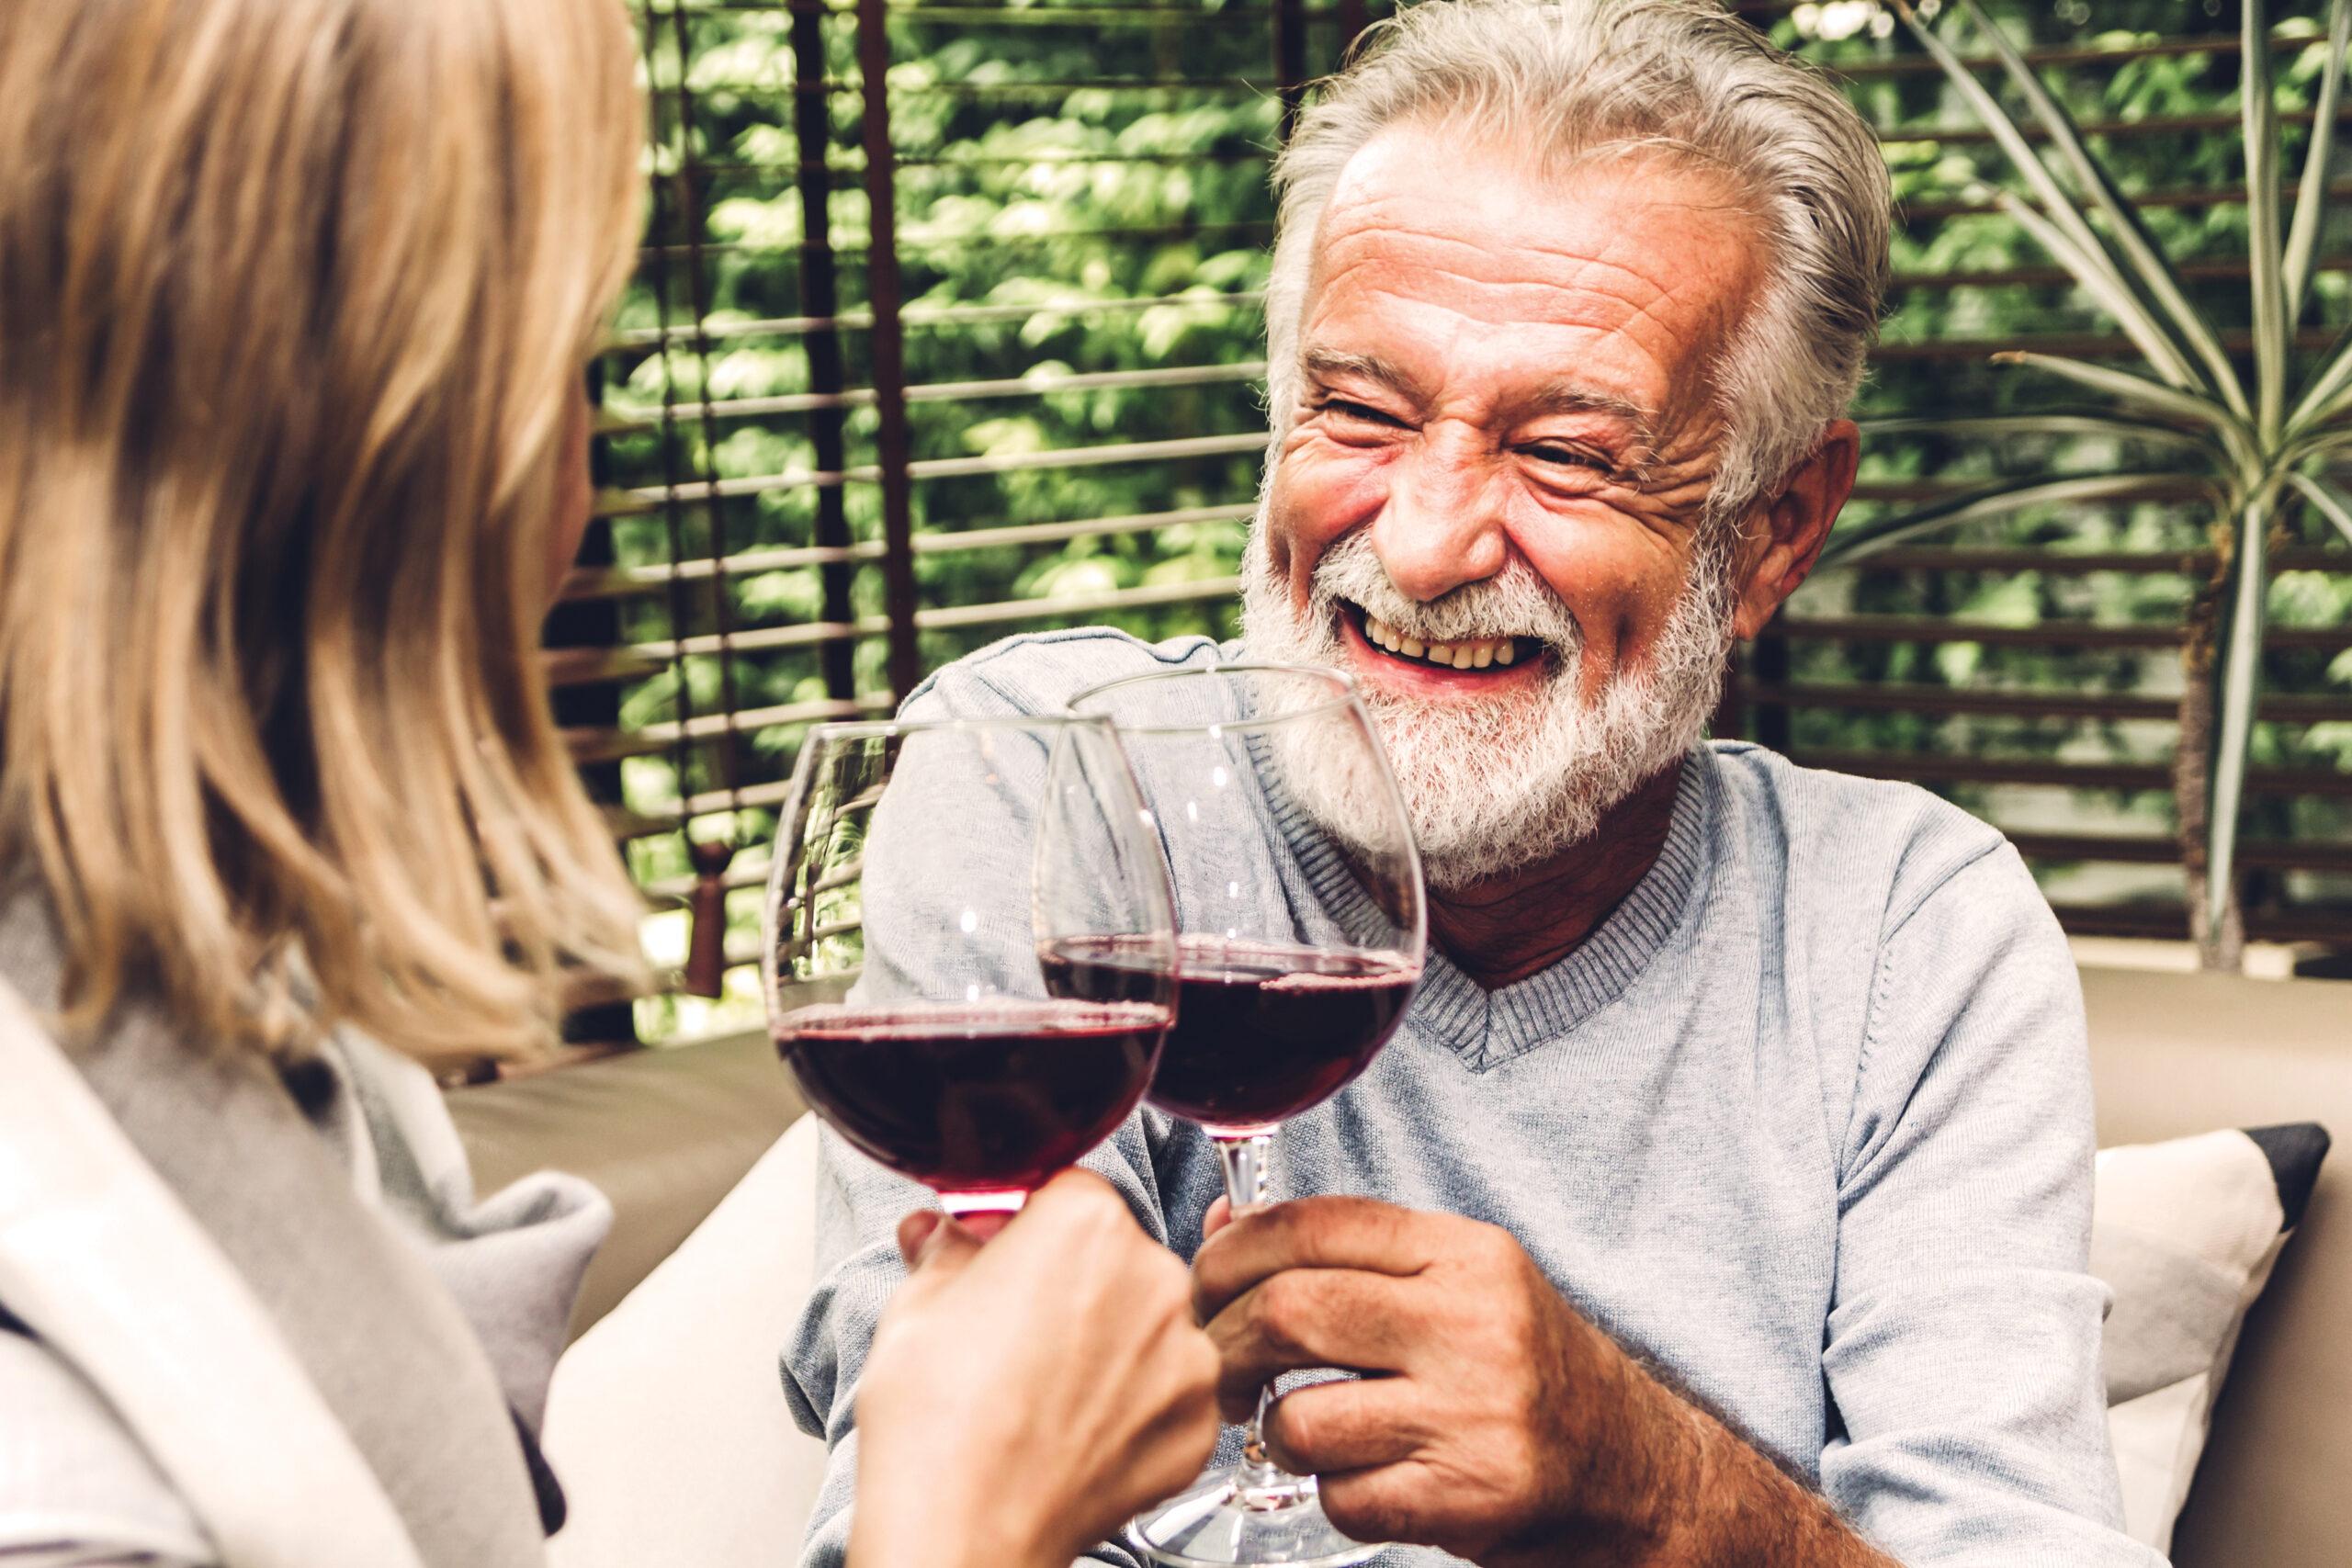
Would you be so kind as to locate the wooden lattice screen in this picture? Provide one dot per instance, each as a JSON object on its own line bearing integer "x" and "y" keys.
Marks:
{"x": 948, "y": 326}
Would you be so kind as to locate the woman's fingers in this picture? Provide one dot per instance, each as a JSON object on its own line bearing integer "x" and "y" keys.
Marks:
{"x": 932, "y": 1242}
{"x": 1058, "y": 1361}
{"x": 1172, "y": 1449}
{"x": 914, "y": 1228}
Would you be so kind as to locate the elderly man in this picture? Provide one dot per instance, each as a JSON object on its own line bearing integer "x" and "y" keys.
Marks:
{"x": 1727, "y": 1191}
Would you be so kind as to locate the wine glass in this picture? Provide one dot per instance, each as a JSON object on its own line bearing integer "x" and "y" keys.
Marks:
{"x": 1299, "y": 901}
{"x": 919, "y": 870}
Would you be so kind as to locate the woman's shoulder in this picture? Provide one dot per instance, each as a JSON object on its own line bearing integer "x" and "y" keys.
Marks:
{"x": 75, "y": 1486}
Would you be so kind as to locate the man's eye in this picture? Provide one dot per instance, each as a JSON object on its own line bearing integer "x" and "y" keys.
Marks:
{"x": 1346, "y": 409}
{"x": 1566, "y": 455}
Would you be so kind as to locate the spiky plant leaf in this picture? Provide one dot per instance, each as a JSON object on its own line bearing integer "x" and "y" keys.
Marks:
{"x": 2058, "y": 421}
{"x": 2261, "y": 118}
{"x": 1850, "y": 544}
{"x": 2327, "y": 499}
{"x": 2149, "y": 266}
{"x": 2311, "y": 192}
{"x": 2236, "y": 675}
{"x": 2151, "y": 396}
{"x": 2322, "y": 397}
{"x": 2093, "y": 252}
{"x": 2108, "y": 292}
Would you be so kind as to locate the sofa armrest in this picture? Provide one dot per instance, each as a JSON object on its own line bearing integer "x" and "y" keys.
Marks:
{"x": 667, "y": 1420}
{"x": 664, "y": 1134}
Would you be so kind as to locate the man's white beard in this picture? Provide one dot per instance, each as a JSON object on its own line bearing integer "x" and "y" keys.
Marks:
{"x": 1493, "y": 787}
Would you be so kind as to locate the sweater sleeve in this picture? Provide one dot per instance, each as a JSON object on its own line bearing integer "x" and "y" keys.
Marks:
{"x": 77, "y": 1489}
{"x": 1961, "y": 1352}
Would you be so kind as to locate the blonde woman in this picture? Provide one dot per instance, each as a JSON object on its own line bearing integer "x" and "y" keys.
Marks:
{"x": 295, "y": 300}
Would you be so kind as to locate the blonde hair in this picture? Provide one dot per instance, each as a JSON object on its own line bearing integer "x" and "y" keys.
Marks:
{"x": 294, "y": 296}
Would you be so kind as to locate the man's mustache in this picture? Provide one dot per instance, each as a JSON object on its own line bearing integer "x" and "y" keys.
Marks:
{"x": 1515, "y": 602}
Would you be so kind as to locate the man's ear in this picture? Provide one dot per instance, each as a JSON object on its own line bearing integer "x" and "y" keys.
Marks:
{"x": 1785, "y": 534}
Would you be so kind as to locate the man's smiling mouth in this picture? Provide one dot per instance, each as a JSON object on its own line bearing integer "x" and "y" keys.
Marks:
{"x": 1468, "y": 653}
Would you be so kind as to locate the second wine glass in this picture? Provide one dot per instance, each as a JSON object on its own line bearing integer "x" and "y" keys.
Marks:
{"x": 1302, "y": 931}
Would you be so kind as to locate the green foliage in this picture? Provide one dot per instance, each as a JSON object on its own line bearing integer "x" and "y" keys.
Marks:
{"x": 2256, "y": 449}
{"x": 1051, "y": 233}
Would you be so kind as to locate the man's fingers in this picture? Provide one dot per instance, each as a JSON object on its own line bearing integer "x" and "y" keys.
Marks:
{"x": 1310, "y": 1233}
{"x": 1351, "y": 1423}
{"x": 1389, "y": 1503}
{"x": 1309, "y": 1317}
{"x": 1220, "y": 1215}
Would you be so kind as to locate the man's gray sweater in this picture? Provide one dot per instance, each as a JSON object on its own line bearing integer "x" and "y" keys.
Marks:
{"x": 1805, "y": 1124}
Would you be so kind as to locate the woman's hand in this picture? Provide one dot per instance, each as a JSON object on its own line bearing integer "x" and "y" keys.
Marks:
{"x": 1023, "y": 1398}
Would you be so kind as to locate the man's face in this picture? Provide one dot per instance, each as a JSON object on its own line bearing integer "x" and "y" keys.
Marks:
{"x": 1503, "y": 445}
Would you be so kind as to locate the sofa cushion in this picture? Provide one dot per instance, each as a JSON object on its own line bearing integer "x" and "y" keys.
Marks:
{"x": 663, "y": 1134}
{"x": 2176, "y": 1055}
{"x": 2185, "y": 1236}
{"x": 667, "y": 1420}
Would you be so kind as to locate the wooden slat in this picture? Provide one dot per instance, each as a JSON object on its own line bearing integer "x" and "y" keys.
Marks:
{"x": 2064, "y": 56}
{"x": 2108, "y": 131}
{"x": 2333, "y": 926}
{"x": 2059, "y": 561}
{"x": 609, "y": 583}
{"x": 595, "y": 666}
{"x": 1911, "y": 212}
{"x": 2145, "y": 125}
{"x": 2155, "y": 849}
{"x": 1933, "y": 768}
{"x": 1899, "y": 697}
{"x": 2059, "y": 278}
{"x": 615, "y": 582}
{"x": 1010, "y": 612}
{"x": 2076, "y": 345}
{"x": 2046, "y": 634}
{"x": 2186, "y": 486}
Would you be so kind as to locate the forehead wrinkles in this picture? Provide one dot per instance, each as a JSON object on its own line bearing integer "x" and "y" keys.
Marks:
{"x": 1647, "y": 256}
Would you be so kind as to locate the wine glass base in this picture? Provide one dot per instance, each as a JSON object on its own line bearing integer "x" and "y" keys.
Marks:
{"x": 1218, "y": 1524}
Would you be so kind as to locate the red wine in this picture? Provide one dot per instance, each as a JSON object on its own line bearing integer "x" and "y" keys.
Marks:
{"x": 991, "y": 1098}
{"x": 1262, "y": 1033}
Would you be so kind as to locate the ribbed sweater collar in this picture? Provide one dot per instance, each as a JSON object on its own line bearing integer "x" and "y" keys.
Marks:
{"x": 1485, "y": 1028}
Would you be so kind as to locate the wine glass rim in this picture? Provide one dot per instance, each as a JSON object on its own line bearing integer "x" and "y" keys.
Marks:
{"x": 840, "y": 729}
{"x": 1344, "y": 695}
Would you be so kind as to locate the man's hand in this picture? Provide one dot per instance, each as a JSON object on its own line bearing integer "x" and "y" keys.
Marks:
{"x": 1475, "y": 1431}
{"x": 1493, "y": 1420}
{"x": 1026, "y": 1396}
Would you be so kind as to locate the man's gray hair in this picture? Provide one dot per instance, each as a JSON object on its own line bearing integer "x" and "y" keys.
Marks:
{"x": 1570, "y": 78}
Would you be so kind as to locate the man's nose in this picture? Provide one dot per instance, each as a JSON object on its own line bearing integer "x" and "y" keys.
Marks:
{"x": 1442, "y": 524}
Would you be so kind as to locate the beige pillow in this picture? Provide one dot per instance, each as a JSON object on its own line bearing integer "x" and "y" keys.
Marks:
{"x": 2185, "y": 1233}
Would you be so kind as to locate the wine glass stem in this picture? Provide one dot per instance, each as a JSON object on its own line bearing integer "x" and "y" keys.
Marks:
{"x": 1246, "y": 1160}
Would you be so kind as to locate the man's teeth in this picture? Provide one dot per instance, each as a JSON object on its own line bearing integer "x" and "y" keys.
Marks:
{"x": 1477, "y": 654}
